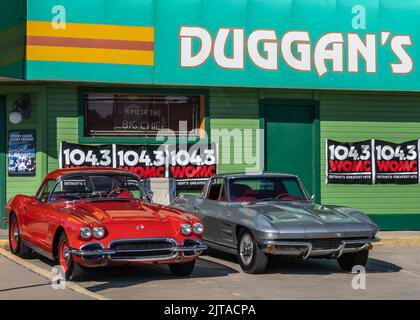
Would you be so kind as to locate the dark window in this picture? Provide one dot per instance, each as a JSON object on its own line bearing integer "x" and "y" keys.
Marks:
{"x": 214, "y": 189}
{"x": 108, "y": 114}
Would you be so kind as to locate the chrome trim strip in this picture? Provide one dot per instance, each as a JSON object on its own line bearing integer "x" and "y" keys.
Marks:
{"x": 305, "y": 249}
{"x": 85, "y": 253}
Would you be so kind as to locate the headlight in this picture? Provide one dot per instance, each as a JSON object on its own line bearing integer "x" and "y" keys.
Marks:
{"x": 99, "y": 232}
{"x": 198, "y": 228}
{"x": 186, "y": 229}
{"x": 85, "y": 232}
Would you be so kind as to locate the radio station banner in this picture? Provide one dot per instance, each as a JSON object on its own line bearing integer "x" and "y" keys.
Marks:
{"x": 190, "y": 164}
{"x": 396, "y": 163}
{"x": 372, "y": 162}
{"x": 349, "y": 163}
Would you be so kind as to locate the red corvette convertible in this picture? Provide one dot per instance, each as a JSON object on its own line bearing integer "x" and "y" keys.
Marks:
{"x": 93, "y": 217}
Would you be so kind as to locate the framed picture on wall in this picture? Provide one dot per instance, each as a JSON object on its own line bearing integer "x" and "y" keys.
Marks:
{"x": 22, "y": 153}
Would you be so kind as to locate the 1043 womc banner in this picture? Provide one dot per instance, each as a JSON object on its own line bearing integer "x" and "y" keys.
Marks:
{"x": 372, "y": 162}
{"x": 190, "y": 164}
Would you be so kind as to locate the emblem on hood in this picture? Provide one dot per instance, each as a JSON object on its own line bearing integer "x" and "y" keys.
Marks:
{"x": 140, "y": 227}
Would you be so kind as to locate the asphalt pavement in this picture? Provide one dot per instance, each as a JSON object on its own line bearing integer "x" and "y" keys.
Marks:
{"x": 392, "y": 273}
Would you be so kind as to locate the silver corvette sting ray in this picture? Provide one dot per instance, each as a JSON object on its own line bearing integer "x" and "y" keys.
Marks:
{"x": 258, "y": 215}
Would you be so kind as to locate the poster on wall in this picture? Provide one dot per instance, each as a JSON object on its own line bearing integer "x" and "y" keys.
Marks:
{"x": 190, "y": 164}
{"x": 22, "y": 153}
{"x": 396, "y": 163}
{"x": 349, "y": 163}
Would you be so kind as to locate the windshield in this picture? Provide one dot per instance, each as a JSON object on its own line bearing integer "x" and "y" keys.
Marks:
{"x": 267, "y": 188}
{"x": 97, "y": 187}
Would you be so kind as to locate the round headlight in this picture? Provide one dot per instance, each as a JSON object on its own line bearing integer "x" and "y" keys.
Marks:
{"x": 198, "y": 228}
{"x": 186, "y": 228}
{"x": 85, "y": 232}
{"x": 98, "y": 232}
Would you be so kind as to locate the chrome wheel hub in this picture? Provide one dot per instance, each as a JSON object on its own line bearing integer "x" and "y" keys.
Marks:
{"x": 66, "y": 254}
{"x": 246, "y": 249}
{"x": 16, "y": 233}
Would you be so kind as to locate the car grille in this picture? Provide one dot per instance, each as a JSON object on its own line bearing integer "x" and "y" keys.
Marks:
{"x": 139, "y": 249}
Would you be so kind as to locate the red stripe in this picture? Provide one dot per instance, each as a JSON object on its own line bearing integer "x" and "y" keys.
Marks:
{"x": 89, "y": 43}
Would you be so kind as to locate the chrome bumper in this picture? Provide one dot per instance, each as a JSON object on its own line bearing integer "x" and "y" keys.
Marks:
{"x": 305, "y": 249}
{"x": 176, "y": 252}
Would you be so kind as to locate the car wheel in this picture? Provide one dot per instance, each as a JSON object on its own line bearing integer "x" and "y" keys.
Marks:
{"x": 182, "y": 269}
{"x": 348, "y": 260}
{"x": 251, "y": 258}
{"x": 71, "y": 269}
{"x": 16, "y": 245}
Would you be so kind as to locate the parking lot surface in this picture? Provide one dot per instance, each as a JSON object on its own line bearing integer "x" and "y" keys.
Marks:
{"x": 392, "y": 273}
{"x": 17, "y": 282}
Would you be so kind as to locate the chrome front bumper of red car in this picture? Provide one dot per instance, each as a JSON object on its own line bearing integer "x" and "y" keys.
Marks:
{"x": 141, "y": 250}
{"x": 316, "y": 247}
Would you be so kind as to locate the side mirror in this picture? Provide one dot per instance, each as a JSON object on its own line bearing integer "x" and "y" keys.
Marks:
{"x": 149, "y": 196}
{"x": 313, "y": 198}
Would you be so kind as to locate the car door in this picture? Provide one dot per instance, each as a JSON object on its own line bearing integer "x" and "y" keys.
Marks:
{"x": 207, "y": 209}
{"x": 36, "y": 216}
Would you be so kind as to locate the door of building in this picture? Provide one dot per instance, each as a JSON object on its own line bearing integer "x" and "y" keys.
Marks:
{"x": 3, "y": 166}
{"x": 292, "y": 140}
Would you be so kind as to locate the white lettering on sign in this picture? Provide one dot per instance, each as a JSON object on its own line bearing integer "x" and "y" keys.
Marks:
{"x": 236, "y": 61}
{"x": 188, "y": 58}
{"x": 296, "y": 48}
{"x": 329, "y": 47}
{"x": 397, "y": 45}
{"x": 303, "y": 47}
{"x": 268, "y": 38}
{"x": 366, "y": 49}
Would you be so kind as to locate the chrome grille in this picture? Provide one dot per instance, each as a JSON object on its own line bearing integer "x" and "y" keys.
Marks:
{"x": 142, "y": 248}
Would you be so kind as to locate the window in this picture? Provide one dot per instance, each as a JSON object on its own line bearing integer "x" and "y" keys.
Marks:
{"x": 214, "y": 189}
{"x": 141, "y": 115}
{"x": 266, "y": 188}
{"x": 93, "y": 187}
{"x": 46, "y": 190}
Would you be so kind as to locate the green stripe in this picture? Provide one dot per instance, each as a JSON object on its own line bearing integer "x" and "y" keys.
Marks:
{"x": 86, "y": 72}
{"x": 396, "y": 222}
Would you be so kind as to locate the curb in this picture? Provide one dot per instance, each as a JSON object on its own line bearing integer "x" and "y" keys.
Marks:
{"x": 398, "y": 242}
{"x": 47, "y": 274}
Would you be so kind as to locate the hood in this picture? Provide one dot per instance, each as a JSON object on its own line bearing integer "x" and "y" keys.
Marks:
{"x": 119, "y": 212}
{"x": 292, "y": 218}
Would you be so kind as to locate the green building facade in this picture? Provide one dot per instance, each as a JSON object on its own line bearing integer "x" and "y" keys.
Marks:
{"x": 56, "y": 53}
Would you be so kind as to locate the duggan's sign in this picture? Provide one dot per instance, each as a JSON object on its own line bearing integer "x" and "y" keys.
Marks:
{"x": 296, "y": 48}
{"x": 371, "y": 45}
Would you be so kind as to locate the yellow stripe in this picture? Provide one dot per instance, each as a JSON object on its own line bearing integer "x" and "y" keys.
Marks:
{"x": 91, "y": 31}
{"x": 66, "y": 54}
